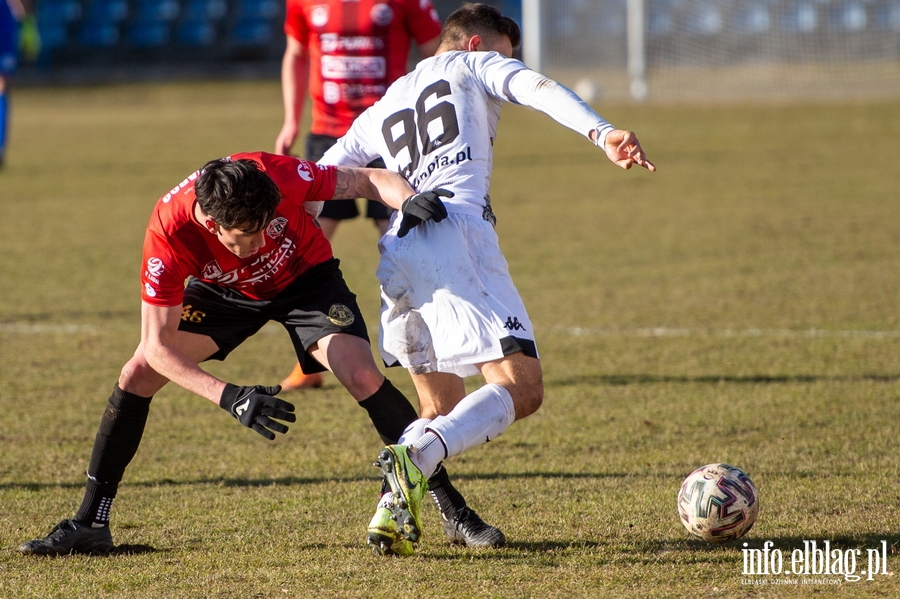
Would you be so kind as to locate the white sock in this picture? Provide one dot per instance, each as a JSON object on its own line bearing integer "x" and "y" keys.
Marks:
{"x": 427, "y": 452}
{"x": 415, "y": 430}
{"x": 481, "y": 416}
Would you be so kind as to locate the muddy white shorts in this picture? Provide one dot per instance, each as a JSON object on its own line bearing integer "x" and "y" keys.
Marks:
{"x": 448, "y": 301}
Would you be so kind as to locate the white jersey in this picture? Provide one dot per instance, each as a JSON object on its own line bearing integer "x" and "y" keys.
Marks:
{"x": 436, "y": 125}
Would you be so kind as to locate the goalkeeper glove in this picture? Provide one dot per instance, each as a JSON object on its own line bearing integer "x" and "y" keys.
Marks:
{"x": 255, "y": 407}
{"x": 423, "y": 207}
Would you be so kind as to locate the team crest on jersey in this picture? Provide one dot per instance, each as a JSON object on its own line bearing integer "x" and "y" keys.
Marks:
{"x": 340, "y": 315}
{"x": 155, "y": 267}
{"x": 318, "y": 16}
{"x": 382, "y": 15}
{"x": 212, "y": 271}
{"x": 276, "y": 227}
{"x": 304, "y": 171}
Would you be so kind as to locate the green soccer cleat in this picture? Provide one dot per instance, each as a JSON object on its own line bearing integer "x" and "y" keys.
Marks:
{"x": 70, "y": 537}
{"x": 408, "y": 486}
{"x": 384, "y": 535}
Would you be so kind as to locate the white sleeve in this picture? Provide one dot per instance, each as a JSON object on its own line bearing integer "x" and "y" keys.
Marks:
{"x": 351, "y": 149}
{"x": 530, "y": 88}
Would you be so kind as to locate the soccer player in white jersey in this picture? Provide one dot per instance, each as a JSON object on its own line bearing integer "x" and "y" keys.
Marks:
{"x": 449, "y": 306}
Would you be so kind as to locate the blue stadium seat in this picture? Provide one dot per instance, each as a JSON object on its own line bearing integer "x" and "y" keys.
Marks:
{"x": 887, "y": 16}
{"x": 249, "y": 10}
{"x": 156, "y": 10}
{"x": 801, "y": 18}
{"x": 100, "y": 26}
{"x": 752, "y": 19}
{"x": 196, "y": 32}
{"x": 214, "y": 10}
{"x": 149, "y": 34}
{"x": 849, "y": 16}
{"x": 252, "y": 32}
{"x": 54, "y": 12}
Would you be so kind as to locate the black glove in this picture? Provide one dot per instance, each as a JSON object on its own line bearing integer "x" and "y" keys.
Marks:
{"x": 422, "y": 207}
{"x": 253, "y": 406}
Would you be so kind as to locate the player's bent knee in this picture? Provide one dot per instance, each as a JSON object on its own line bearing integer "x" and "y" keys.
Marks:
{"x": 138, "y": 377}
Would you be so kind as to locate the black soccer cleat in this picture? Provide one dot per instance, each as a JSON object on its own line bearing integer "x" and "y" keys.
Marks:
{"x": 467, "y": 528}
{"x": 70, "y": 537}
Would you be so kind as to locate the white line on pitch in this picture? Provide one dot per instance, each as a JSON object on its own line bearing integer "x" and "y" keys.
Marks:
{"x": 686, "y": 332}
{"x": 40, "y": 329}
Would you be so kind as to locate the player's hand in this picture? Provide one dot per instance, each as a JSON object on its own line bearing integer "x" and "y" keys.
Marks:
{"x": 255, "y": 407}
{"x": 285, "y": 140}
{"x": 624, "y": 149}
{"x": 423, "y": 207}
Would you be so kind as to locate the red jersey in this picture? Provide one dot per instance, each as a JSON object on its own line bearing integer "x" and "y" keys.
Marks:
{"x": 177, "y": 246}
{"x": 356, "y": 50}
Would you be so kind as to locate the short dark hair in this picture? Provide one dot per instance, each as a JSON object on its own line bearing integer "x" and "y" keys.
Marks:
{"x": 479, "y": 19}
{"x": 237, "y": 194}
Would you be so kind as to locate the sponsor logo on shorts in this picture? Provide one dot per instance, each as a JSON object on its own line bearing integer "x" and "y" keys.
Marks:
{"x": 513, "y": 324}
{"x": 340, "y": 315}
{"x": 354, "y": 67}
{"x": 149, "y": 290}
{"x": 276, "y": 227}
{"x": 304, "y": 171}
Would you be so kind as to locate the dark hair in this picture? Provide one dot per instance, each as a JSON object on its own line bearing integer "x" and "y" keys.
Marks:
{"x": 237, "y": 195}
{"x": 479, "y": 19}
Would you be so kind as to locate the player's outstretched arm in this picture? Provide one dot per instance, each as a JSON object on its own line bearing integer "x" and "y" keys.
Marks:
{"x": 377, "y": 184}
{"x": 624, "y": 149}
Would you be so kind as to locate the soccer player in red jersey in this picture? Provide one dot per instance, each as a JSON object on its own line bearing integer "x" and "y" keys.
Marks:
{"x": 345, "y": 55}
{"x": 238, "y": 230}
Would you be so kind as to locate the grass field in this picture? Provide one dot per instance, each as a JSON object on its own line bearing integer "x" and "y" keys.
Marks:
{"x": 739, "y": 305}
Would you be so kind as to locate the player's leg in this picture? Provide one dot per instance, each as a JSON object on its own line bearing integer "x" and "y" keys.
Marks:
{"x": 214, "y": 327}
{"x": 115, "y": 445}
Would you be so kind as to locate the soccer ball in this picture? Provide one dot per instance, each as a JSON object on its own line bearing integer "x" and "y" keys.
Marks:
{"x": 718, "y": 503}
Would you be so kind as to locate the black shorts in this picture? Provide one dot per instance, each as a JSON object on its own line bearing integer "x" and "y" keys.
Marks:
{"x": 317, "y": 304}
{"x": 316, "y": 146}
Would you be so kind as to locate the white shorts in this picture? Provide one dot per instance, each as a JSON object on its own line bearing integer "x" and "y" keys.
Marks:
{"x": 447, "y": 300}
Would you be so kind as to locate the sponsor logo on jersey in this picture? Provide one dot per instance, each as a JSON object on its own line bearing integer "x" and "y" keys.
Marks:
{"x": 149, "y": 290}
{"x": 354, "y": 67}
{"x": 318, "y": 16}
{"x": 513, "y": 324}
{"x": 155, "y": 267}
{"x": 304, "y": 171}
{"x": 277, "y": 226}
{"x": 340, "y": 315}
{"x": 333, "y": 43}
{"x": 382, "y": 14}
{"x": 190, "y": 180}
{"x": 439, "y": 162}
{"x": 331, "y": 92}
{"x": 212, "y": 271}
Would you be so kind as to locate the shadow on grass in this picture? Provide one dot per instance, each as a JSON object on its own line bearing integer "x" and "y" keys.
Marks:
{"x": 289, "y": 481}
{"x": 614, "y": 380}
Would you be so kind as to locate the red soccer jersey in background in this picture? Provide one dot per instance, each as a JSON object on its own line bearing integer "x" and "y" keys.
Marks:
{"x": 176, "y": 246}
{"x": 356, "y": 49}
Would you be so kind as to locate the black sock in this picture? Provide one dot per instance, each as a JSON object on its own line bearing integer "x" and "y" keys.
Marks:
{"x": 445, "y": 495}
{"x": 390, "y": 412}
{"x": 116, "y": 443}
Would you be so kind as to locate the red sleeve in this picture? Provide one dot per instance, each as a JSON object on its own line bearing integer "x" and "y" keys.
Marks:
{"x": 422, "y": 20}
{"x": 162, "y": 274}
{"x": 295, "y": 25}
